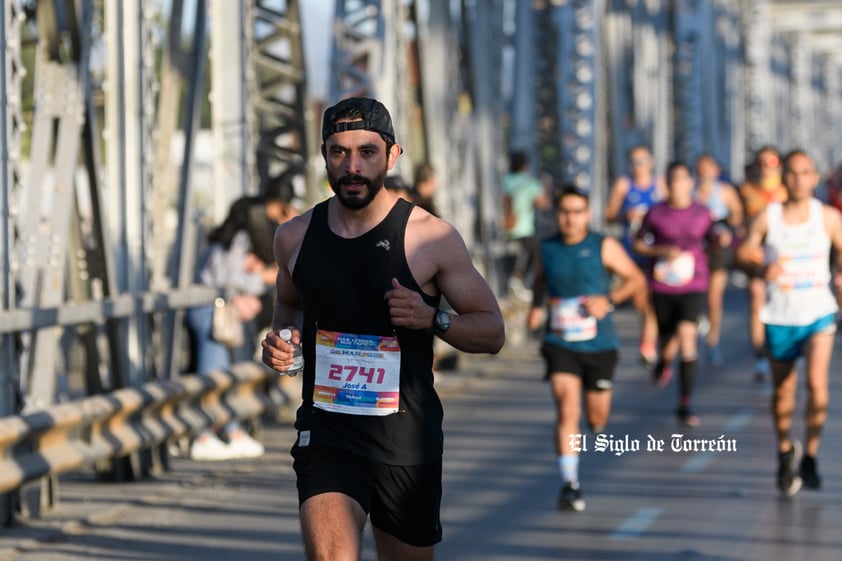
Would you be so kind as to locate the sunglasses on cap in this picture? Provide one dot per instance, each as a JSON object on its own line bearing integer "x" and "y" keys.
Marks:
{"x": 771, "y": 161}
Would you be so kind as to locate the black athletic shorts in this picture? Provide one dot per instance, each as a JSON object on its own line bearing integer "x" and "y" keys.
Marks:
{"x": 595, "y": 369}
{"x": 670, "y": 309}
{"x": 720, "y": 258}
{"x": 403, "y": 501}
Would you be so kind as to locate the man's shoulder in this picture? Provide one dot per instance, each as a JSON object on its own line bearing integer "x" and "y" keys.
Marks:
{"x": 622, "y": 183}
{"x": 726, "y": 186}
{"x": 300, "y": 221}
{"x": 829, "y": 208}
{"x": 422, "y": 221}
{"x": 747, "y": 188}
{"x": 830, "y": 212}
{"x": 292, "y": 231}
{"x": 596, "y": 236}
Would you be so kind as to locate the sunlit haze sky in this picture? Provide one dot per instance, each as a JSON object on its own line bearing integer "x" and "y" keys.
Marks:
{"x": 316, "y": 16}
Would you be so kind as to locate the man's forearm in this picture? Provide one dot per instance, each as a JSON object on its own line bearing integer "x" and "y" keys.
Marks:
{"x": 286, "y": 316}
{"x": 476, "y": 332}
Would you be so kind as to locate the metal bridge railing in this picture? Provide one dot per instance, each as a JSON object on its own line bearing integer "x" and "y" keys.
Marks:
{"x": 69, "y": 436}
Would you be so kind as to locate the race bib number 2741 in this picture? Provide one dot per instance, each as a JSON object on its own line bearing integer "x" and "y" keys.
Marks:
{"x": 357, "y": 374}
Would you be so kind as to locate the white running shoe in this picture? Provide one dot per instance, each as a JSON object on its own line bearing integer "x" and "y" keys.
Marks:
{"x": 209, "y": 448}
{"x": 244, "y": 446}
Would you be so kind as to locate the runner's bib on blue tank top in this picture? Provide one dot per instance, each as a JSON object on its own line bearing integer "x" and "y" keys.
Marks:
{"x": 574, "y": 272}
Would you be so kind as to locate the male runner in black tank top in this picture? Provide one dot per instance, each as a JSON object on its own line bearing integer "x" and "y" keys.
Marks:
{"x": 360, "y": 279}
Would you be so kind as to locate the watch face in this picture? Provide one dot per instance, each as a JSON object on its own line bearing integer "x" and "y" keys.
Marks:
{"x": 442, "y": 321}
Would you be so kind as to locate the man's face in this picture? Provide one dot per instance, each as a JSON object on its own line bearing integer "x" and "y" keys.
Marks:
{"x": 573, "y": 216}
{"x": 769, "y": 163}
{"x": 641, "y": 161}
{"x": 707, "y": 169}
{"x": 357, "y": 164}
{"x": 800, "y": 177}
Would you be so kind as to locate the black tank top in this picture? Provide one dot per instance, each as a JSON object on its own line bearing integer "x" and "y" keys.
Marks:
{"x": 342, "y": 282}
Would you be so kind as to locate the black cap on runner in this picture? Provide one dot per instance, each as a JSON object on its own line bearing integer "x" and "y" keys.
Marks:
{"x": 358, "y": 113}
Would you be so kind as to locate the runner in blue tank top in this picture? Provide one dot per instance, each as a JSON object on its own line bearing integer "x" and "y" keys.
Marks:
{"x": 580, "y": 343}
{"x": 631, "y": 197}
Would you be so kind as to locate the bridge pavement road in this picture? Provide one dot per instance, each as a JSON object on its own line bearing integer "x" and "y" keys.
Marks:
{"x": 501, "y": 483}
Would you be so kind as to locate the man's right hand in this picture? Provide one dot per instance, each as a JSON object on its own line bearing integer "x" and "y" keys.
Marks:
{"x": 277, "y": 353}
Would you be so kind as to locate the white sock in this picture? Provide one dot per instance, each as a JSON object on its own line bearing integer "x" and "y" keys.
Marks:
{"x": 568, "y": 465}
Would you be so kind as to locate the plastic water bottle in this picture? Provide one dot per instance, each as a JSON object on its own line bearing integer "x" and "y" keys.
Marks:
{"x": 297, "y": 353}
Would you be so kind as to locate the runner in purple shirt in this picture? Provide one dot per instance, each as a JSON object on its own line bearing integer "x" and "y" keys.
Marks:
{"x": 674, "y": 235}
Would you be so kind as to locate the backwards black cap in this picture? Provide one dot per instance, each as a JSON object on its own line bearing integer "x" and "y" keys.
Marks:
{"x": 373, "y": 116}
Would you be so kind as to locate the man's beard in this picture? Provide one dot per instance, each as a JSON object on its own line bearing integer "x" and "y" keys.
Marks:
{"x": 361, "y": 200}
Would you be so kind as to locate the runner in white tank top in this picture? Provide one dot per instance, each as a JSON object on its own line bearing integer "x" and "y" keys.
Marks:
{"x": 789, "y": 246}
{"x": 802, "y": 293}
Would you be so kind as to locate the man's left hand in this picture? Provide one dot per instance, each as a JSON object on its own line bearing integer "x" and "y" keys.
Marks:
{"x": 407, "y": 308}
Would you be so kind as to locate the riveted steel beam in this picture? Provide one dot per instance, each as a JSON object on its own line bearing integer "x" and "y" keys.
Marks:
{"x": 547, "y": 133}
{"x": 579, "y": 24}
{"x": 278, "y": 86}
{"x": 11, "y": 128}
{"x": 639, "y": 80}
{"x": 757, "y": 33}
{"x": 484, "y": 40}
{"x": 438, "y": 59}
{"x": 61, "y": 82}
{"x": 370, "y": 57}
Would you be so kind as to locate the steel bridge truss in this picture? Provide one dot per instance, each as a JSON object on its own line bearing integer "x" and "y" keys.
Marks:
{"x": 105, "y": 196}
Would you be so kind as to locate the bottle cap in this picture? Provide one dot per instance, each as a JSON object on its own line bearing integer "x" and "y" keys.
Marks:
{"x": 285, "y": 334}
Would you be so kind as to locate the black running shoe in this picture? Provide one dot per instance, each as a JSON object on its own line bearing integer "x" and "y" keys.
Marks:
{"x": 789, "y": 482}
{"x": 571, "y": 498}
{"x": 686, "y": 417}
{"x": 661, "y": 374}
{"x": 648, "y": 354}
{"x": 809, "y": 473}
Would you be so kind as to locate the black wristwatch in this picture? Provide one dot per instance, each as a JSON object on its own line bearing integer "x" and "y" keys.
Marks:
{"x": 441, "y": 322}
